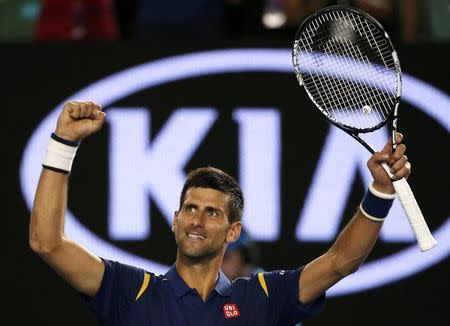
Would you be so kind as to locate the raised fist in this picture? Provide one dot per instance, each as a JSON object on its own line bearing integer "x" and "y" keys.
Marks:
{"x": 79, "y": 119}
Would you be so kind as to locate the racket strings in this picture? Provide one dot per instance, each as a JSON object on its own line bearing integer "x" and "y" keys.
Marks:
{"x": 385, "y": 53}
{"x": 345, "y": 49}
{"x": 349, "y": 69}
{"x": 322, "y": 87}
{"x": 341, "y": 110}
{"x": 359, "y": 90}
{"x": 356, "y": 51}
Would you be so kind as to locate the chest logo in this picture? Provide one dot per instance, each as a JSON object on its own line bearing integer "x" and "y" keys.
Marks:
{"x": 230, "y": 310}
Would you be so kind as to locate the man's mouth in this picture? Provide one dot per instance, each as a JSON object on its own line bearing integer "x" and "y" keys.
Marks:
{"x": 195, "y": 236}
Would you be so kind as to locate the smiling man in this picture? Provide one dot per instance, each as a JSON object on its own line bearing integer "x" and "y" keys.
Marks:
{"x": 194, "y": 291}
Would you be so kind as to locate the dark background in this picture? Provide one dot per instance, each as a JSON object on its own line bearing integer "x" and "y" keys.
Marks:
{"x": 37, "y": 77}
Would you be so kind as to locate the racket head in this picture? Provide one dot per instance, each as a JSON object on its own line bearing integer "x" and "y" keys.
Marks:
{"x": 349, "y": 68}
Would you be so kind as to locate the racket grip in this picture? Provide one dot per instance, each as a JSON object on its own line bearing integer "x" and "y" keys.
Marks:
{"x": 412, "y": 210}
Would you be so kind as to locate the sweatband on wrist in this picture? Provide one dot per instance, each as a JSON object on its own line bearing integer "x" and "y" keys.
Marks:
{"x": 376, "y": 205}
{"x": 60, "y": 154}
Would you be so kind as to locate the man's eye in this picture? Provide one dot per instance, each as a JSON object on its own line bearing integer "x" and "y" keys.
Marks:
{"x": 190, "y": 209}
{"x": 212, "y": 213}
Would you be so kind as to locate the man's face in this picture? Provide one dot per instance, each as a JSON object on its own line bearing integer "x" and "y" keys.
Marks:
{"x": 201, "y": 227}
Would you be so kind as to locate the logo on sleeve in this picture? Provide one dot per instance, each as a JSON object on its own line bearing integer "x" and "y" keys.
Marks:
{"x": 230, "y": 310}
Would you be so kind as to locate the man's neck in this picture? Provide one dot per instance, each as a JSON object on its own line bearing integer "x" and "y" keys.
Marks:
{"x": 201, "y": 276}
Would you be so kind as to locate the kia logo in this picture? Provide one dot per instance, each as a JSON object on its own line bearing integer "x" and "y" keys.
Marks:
{"x": 128, "y": 197}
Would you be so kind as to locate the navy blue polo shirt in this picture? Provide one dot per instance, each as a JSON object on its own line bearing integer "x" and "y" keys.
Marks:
{"x": 133, "y": 296}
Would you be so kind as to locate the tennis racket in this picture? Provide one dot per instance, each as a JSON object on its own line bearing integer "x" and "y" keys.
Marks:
{"x": 349, "y": 68}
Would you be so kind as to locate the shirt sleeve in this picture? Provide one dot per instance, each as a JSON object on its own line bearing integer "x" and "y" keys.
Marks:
{"x": 283, "y": 293}
{"x": 119, "y": 287}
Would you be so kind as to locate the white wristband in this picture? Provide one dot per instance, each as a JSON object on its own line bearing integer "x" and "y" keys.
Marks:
{"x": 60, "y": 154}
{"x": 380, "y": 194}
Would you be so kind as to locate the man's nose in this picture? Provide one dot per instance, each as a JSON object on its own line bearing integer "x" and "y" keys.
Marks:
{"x": 198, "y": 219}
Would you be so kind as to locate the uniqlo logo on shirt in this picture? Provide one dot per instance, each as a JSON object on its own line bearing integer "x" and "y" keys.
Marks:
{"x": 230, "y": 310}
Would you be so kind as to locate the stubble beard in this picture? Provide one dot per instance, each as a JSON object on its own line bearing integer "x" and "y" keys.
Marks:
{"x": 196, "y": 255}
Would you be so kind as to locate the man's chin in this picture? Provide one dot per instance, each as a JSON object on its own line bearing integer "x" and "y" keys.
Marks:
{"x": 196, "y": 255}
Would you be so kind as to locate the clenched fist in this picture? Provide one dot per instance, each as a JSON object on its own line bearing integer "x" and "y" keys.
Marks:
{"x": 79, "y": 119}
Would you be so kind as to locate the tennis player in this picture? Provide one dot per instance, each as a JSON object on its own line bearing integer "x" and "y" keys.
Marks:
{"x": 194, "y": 291}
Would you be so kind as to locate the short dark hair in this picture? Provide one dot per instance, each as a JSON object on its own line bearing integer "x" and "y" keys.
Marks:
{"x": 213, "y": 178}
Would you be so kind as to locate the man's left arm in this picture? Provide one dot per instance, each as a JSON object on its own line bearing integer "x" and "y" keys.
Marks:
{"x": 356, "y": 240}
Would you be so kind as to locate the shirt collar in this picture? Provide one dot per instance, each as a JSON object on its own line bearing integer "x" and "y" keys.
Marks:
{"x": 179, "y": 286}
{"x": 223, "y": 285}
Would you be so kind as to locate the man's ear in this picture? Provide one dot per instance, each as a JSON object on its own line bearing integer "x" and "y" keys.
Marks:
{"x": 234, "y": 232}
{"x": 175, "y": 221}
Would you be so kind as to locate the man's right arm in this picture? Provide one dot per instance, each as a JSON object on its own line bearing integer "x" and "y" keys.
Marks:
{"x": 80, "y": 268}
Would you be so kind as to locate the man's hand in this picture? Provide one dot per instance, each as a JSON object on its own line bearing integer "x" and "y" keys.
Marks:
{"x": 397, "y": 161}
{"x": 79, "y": 119}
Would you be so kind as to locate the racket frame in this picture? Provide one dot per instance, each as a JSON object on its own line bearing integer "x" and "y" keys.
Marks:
{"x": 419, "y": 226}
{"x": 354, "y": 132}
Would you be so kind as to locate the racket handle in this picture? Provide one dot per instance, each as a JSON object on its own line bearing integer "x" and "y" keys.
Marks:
{"x": 418, "y": 224}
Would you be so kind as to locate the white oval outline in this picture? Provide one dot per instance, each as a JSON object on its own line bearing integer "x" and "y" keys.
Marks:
{"x": 373, "y": 274}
